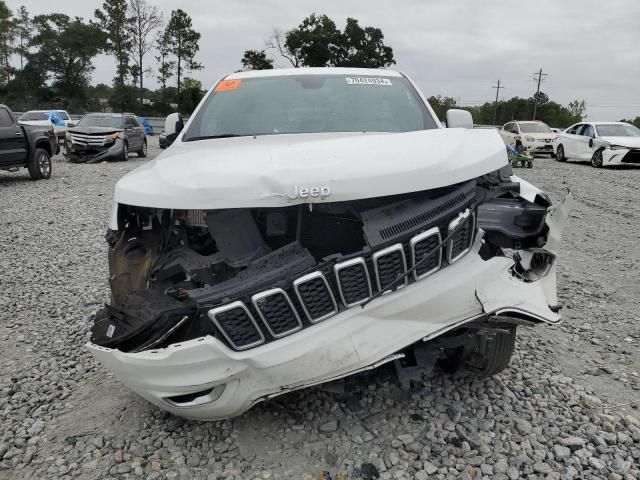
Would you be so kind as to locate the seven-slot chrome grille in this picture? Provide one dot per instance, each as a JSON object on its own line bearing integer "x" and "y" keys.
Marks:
{"x": 89, "y": 140}
{"x": 312, "y": 298}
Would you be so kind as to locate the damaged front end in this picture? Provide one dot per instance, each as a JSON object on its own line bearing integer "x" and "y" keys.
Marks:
{"x": 215, "y": 310}
{"x": 89, "y": 146}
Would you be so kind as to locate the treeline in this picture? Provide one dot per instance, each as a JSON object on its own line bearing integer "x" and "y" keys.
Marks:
{"x": 516, "y": 108}
{"x": 46, "y": 61}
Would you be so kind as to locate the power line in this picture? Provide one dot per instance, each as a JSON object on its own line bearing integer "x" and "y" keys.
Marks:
{"x": 535, "y": 103}
{"x": 495, "y": 105}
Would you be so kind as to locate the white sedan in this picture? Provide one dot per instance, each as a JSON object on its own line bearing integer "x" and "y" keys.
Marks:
{"x": 532, "y": 135}
{"x": 601, "y": 143}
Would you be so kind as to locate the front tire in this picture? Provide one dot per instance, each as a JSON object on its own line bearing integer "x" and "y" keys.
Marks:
{"x": 485, "y": 354}
{"x": 125, "y": 152}
{"x": 560, "y": 154}
{"x": 142, "y": 153}
{"x": 39, "y": 165}
{"x": 596, "y": 159}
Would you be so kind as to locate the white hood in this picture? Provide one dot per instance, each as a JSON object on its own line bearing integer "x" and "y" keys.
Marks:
{"x": 265, "y": 171}
{"x": 631, "y": 142}
{"x": 38, "y": 123}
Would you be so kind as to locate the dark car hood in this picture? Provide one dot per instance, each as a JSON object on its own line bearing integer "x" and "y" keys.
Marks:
{"x": 94, "y": 130}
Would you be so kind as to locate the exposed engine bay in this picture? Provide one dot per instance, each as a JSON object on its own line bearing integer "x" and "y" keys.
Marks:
{"x": 252, "y": 276}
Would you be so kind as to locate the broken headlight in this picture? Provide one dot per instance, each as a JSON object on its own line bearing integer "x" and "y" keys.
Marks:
{"x": 532, "y": 265}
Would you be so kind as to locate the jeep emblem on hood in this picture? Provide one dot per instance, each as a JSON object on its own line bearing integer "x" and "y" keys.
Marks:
{"x": 313, "y": 192}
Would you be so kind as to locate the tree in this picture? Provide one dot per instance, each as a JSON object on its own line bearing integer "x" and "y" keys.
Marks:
{"x": 317, "y": 42}
{"x": 578, "y": 109}
{"x": 441, "y": 104}
{"x": 64, "y": 51}
{"x": 363, "y": 48}
{"x": 276, "y": 42}
{"x": 516, "y": 108}
{"x": 256, "y": 60}
{"x": 7, "y": 37}
{"x": 182, "y": 40}
{"x": 115, "y": 22}
{"x": 165, "y": 65}
{"x": 192, "y": 93}
{"x": 635, "y": 121}
{"x": 146, "y": 20}
{"x": 24, "y": 28}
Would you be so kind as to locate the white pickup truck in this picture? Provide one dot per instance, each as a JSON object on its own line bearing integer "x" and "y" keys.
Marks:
{"x": 309, "y": 224}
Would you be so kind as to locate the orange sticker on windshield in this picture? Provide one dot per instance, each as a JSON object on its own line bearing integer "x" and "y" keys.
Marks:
{"x": 227, "y": 85}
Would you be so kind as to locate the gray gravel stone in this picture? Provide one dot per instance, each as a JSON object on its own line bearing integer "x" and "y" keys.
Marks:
{"x": 63, "y": 416}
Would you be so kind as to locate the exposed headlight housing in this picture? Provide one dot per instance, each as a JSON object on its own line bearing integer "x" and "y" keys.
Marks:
{"x": 530, "y": 139}
{"x": 68, "y": 136}
{"x": 113, "y": 136}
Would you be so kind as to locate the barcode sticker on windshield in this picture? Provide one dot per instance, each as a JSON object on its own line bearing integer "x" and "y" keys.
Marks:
{"x": 368, "y": 81}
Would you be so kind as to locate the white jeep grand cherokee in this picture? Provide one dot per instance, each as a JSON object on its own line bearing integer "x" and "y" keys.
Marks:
{"x": 308, "y": 224}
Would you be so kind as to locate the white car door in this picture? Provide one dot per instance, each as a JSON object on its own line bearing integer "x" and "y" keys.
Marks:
{"x": 506, "y": 134}
{"x": 570, "y": 141}
{"x": 587, "y": 142}
{"x": 582, "y": 148}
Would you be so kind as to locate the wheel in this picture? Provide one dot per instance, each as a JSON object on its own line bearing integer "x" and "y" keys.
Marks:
{"x": 560, "y": 154}
{"x": 529, "y": 164}
{"x": 125, "y": 152}
{"x": 142, "y": 153}
{"x": 596, "y": 159}
{"x": 485, "y": 354}
{"x": 39, "y": 165}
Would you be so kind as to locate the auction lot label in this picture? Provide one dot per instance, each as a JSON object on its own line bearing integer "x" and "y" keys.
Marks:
{"x": 368, "y": 81}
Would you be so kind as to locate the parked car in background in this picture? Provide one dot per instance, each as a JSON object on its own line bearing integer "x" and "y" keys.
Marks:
{"x": 601, "y": 143}
{"x": 26, "y": 145}
{"x": 148, "y": 129}
{"x": 529, "y": 135}
{"x": 59, "y": 119}
{"x": 105, "y": 136}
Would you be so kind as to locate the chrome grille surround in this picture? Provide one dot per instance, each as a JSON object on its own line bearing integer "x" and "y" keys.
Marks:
{"x": 312, "y": 297}
{"x": 311, "y": 277}
{"x": 462, "y": 217}
{"x": 214, "y": 312}
{"x": 355, "y": 262}
{"x": 381, "y": 254}
{"x": 415, "y": 242}
{"x": 258, "y": 297}
{"x": 89, "y": 140}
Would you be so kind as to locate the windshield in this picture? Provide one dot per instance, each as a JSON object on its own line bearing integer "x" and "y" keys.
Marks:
{"x": 34, "y": 116}
{"x": 618, "y": 130}
{"x": 100, "y": 121}
{"x": 535, "y": 128}
{"x": 310, "y": 104}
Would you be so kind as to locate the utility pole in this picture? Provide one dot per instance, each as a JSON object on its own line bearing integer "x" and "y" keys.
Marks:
{"x": 540, "y": 76}
{"x": 495, "y": 105}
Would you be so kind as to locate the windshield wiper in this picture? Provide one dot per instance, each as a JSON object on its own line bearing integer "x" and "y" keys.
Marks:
{"x": 222, "y": 135}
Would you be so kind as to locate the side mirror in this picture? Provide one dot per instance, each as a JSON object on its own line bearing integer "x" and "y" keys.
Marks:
{"x": 459, "y": 119}
{"x": 173, "y": 125}
{"x": 591, "y": 142}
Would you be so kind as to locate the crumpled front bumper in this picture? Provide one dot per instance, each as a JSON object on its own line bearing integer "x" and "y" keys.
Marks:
{"x": 354, "y": 340}
{"x": 615, "y": 157}
{"x": 79, "y": 154}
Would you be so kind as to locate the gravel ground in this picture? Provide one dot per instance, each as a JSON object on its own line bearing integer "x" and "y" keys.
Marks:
{"x": 566, "y": 408}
